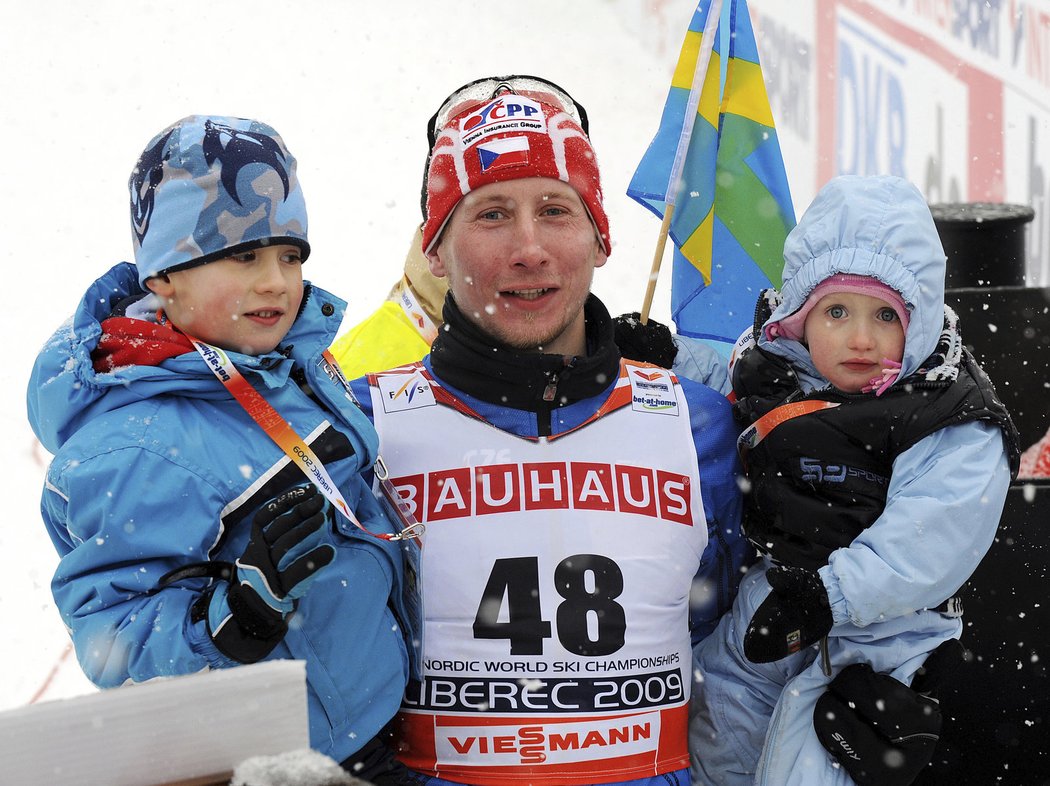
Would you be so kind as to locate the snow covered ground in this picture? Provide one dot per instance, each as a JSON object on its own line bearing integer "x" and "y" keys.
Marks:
{"x": 348, "y": 84}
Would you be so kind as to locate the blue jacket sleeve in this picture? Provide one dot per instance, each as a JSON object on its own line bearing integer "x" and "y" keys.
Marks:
{"x": 945, "y": 497}
{"x": 728, "y": 552}
{"x": 701, "y": 363}
{"x": 117, "y": 538}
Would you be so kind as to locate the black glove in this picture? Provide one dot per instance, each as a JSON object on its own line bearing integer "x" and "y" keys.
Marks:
{"x": 284, "y": 555}
{"x": 649, "y": 343}
{"x": 796, "y": 614}
{"x": 882, "y": 732}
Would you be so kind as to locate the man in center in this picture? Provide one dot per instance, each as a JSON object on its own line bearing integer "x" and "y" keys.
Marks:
{"x": 581, "y": 511}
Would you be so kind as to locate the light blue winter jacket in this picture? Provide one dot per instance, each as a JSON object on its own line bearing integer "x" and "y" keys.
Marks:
{"x": 698, "y": 361}
{"x": 158, "y": 466}
{"x": 947, "y": 491}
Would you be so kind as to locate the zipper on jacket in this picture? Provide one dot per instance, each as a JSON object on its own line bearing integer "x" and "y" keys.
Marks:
{"x": 756, "y": 326}
{"x": 543, "y": 411}
{"x": 551, "y": 390}
{"x": 550, "y": 397}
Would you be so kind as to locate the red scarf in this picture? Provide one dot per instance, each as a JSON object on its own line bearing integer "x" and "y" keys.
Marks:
{"x": 136, "y": 342}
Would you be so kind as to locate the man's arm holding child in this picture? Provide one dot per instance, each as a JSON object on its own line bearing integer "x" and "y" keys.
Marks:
{"x": 728, "y": 552}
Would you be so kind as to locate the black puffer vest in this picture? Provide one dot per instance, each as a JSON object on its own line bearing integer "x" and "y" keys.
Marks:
{"x": 819, "y": 479}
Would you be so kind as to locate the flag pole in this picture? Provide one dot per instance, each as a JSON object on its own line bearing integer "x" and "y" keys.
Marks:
{"x": 654, "y": 273}
{"x": 714, "y": 12}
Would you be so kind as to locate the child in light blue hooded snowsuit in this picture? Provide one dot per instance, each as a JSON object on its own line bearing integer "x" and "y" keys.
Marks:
{"x": 188, "y": 539}
{"x": 871, "y": 503}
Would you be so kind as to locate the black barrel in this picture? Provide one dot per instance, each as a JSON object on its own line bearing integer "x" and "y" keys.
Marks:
{"x": 984, "y": 242}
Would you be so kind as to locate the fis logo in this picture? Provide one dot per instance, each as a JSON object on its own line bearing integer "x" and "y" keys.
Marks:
{"x": 409, "y": 390}
{"x": 401, "y": 392}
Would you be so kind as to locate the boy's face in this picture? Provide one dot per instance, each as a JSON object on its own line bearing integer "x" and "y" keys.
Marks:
{"x": 245, "y": 303}
{"x": 519, "y": 256}
{"x": 849, "y": 334}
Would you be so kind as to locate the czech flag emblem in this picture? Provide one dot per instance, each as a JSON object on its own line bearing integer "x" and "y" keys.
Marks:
{"x": 499, "y": 153}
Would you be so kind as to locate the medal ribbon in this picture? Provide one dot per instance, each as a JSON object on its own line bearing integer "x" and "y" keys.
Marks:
{"x": 278, "y": 429}
{"x": 760, "y": 429}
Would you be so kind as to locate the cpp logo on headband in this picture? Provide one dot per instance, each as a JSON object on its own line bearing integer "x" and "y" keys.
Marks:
{"x": 508, "y": 113}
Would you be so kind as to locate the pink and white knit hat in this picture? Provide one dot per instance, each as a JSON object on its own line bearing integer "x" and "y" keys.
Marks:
{"x": 793, "y": 326}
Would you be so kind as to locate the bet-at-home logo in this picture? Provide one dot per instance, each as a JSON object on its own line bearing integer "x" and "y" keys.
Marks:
{"x": 653, "y": 391}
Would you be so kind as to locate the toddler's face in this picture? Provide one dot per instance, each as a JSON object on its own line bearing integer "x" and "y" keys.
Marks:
{"x": 848, "y": 336}
{"x": 245, "y": 303}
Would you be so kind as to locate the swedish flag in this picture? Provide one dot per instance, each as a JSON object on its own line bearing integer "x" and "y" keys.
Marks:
{"x": 717, "y": 160}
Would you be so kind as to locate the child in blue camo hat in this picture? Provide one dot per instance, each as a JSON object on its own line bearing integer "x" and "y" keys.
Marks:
{"x": 189, "y": 537}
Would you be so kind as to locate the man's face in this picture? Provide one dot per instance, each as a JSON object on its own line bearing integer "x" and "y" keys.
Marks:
{"x": 519, "y": 257}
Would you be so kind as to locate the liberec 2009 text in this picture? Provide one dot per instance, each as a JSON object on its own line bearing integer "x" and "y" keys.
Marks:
{"x": 541, "y": 694}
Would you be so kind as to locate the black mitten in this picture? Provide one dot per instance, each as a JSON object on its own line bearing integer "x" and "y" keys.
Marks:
{"x": 882, "y": 732}
{"x": 796, "y": 614}
{"x": 649, "y": 343}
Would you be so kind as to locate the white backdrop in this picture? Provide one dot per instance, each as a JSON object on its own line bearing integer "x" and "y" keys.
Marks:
{"x": 349, "y": 85}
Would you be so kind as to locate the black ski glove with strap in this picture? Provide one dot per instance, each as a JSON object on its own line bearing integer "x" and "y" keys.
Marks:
{"x": 649, "y": 343}
{"x": 284, "y": 554}
{"x": 796, "y": 614}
